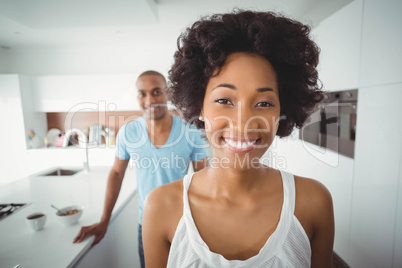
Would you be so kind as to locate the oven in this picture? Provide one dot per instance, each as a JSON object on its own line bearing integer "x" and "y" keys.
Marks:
{"x": 333, "y": 124}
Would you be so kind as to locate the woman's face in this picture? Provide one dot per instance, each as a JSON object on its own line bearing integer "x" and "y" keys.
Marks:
{"x": 241, "y": 110}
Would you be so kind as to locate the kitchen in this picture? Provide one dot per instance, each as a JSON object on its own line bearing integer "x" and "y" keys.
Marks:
{"x": 360, "y": 49}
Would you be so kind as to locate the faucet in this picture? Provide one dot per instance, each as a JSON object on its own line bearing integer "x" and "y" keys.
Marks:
{"x": 82, "y": 138}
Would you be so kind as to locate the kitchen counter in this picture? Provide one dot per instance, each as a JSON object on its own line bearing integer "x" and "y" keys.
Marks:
{"x": 52, "y": 246}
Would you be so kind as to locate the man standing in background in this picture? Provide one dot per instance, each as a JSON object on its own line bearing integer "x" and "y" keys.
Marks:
{"x": 160, "y": 145}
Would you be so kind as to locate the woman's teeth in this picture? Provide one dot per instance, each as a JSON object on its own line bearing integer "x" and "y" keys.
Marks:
{"x": 240, "y": 144}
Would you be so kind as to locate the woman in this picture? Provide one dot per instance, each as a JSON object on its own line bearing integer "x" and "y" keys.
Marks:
{"x": 243, "y": 77}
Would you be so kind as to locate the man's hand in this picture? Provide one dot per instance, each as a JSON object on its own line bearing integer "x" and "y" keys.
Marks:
{"x": 98, "y": 229}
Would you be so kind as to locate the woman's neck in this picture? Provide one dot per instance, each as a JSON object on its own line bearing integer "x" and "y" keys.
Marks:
{"x": 231, "y": 183}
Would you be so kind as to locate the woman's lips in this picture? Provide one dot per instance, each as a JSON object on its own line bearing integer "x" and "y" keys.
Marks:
{"x": 240, "y": 145}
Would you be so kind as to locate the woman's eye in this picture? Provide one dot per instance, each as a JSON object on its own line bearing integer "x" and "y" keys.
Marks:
{"x": 264, "y": 104}
{"x": 223, "y": 101}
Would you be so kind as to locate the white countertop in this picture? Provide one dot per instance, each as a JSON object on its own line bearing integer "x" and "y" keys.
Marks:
{"x": 53, "y": 246}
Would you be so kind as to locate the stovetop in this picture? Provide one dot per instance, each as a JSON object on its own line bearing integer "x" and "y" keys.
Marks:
{"x": 8, "y": 209}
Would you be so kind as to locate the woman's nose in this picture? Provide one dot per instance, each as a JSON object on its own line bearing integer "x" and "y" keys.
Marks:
{"x": 246, "y": 118}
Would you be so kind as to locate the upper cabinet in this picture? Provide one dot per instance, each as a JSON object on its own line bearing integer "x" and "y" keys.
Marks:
{"x": 381, "y": 53}
{"x": 339, "y": 38}
{"x": 63, "y": 93}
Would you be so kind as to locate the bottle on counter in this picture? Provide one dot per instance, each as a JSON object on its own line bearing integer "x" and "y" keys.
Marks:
{"x": 109, "y": 137}
{"x": 47, "y": 142}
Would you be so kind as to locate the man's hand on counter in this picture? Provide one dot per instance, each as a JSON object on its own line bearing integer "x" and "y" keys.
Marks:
{"x": 98, "y": 229}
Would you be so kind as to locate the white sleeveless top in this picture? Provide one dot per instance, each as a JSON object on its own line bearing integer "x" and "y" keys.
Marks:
{"x": 288, "y": 246}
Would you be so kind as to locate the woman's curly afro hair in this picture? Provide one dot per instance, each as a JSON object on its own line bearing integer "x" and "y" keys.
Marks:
{"x": 204, "y": 47}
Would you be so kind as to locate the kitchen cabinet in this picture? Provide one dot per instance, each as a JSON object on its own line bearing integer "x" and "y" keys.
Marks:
{"x": 119, "y": 248}
{"x": 339, "y": 38}
{"x": 63, "y": 93}
{"x": 381, "y": 53}
{"x": 378, "y": 158}
{"x": 398, "y": 227}
{"x": 57, "y": 93}
{"x": 16, "y": 119}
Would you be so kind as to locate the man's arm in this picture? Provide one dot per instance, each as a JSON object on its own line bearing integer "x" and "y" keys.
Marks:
{"x": 114, "y": 182}
{"x": 198, "y": 165}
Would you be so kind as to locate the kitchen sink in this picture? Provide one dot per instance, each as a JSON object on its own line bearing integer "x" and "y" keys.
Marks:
{"x": 61, "y": 172}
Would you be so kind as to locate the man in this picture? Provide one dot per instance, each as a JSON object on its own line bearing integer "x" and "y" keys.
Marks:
{"x": 160, "y": 145}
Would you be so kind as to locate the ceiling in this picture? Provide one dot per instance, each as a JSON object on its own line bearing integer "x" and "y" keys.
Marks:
{"x": 69, "y": 23}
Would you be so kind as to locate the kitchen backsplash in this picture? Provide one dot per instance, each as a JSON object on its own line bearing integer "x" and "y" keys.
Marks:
{"x": 84, "y": 120}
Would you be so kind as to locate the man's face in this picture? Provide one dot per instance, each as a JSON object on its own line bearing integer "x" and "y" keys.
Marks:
{"x": 152, "y": 96}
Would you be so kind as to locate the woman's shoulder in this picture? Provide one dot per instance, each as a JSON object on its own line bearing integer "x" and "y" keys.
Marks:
{"x": 163, "y": 209}
{"x": 311, "y": 190}
{"x": 165, "y": 197}
{"x": 313, "y": 207}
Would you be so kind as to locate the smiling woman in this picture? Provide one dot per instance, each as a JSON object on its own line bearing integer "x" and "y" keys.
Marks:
{"x": 241, "y": 116}
{"x": 244, "y": 77}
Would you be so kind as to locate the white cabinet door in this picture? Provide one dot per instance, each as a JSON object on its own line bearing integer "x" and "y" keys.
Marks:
{"x": 398, "y": 229}
{"x": 338, "y": 37}
{"x": 12, "y": 136}
{"x": 57, "y": 93}
{"x": 119, "y": 248}
{"x": 376, "y": 176}
{"x": 126, "y": 235}
{"x": 381, "y": 54}
{"x": 111, "y": 92}
{"x": 85, "y": 93}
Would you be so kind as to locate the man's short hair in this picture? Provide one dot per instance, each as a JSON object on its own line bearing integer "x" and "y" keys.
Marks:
{"x": 152, "y": 72}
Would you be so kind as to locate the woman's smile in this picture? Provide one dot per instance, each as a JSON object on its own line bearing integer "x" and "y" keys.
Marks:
{"x": 240, "y": 145}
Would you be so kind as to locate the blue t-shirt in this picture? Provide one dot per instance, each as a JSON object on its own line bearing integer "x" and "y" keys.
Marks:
{"x": 155, "y": 166}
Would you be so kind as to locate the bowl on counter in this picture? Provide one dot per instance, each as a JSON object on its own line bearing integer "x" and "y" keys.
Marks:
{"x": 70, "y": 215}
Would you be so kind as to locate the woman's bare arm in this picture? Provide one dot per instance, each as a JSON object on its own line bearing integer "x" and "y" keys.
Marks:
{"x": 315, "y": 212}
{"x": 162, "y": 211}
{"x": 321, "y": 215}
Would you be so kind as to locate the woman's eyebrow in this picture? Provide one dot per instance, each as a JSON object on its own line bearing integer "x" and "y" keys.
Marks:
{"x": 226, "y": 85}
{"x": 262, "y": 89}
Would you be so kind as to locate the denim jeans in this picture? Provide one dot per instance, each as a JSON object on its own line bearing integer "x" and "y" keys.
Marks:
{"x": 140, "y": 247}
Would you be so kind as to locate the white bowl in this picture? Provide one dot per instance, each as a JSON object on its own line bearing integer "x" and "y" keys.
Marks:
{"x": 69, "y": 219}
